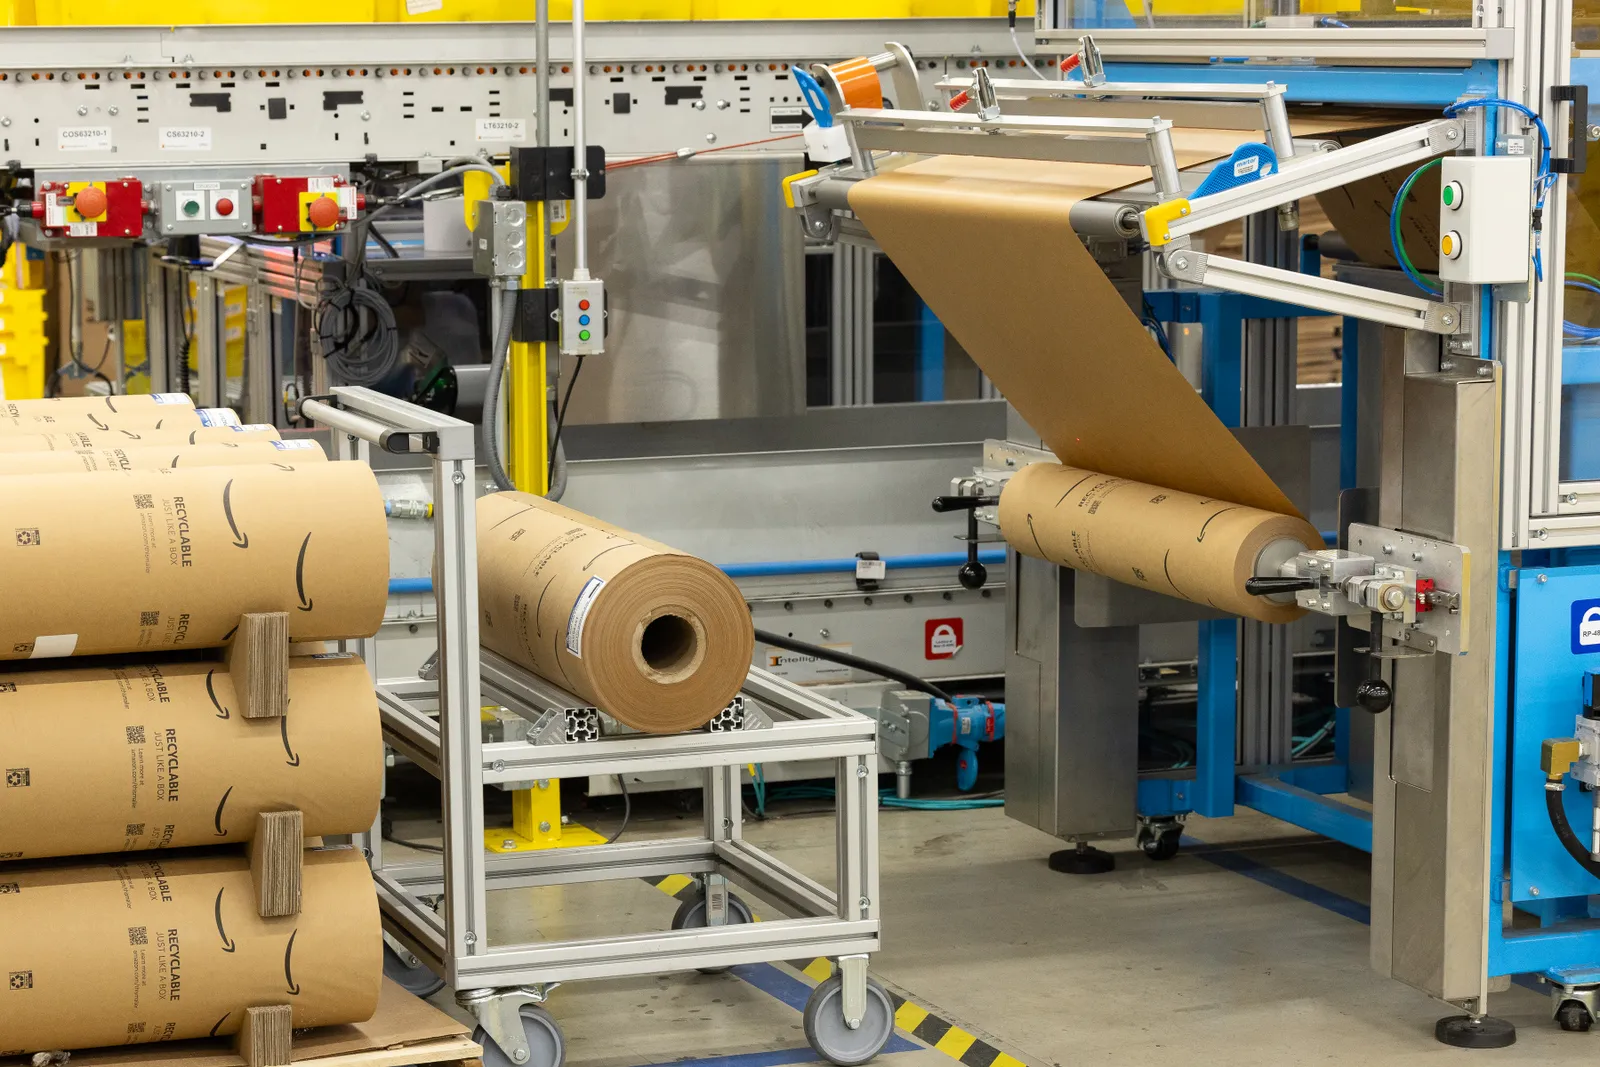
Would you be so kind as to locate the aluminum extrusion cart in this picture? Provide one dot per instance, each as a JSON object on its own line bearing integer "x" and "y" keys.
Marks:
{"x": 436, "y": 723}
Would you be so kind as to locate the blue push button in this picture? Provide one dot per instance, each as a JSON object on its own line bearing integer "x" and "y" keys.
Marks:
{"x": 583, "y": 320}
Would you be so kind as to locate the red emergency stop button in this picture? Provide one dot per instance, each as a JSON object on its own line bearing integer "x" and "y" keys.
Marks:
{"x": 90, "y": 202}
{"x": 224, "y": 206}
{"x": 323, "y": 212}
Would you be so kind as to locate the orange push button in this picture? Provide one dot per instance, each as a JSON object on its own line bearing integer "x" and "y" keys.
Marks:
{"x": 90, "y": 202}
{"x": 323, "y": 212}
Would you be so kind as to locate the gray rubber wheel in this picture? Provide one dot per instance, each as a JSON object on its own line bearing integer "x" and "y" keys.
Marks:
{"x": 832, "y": 1039}
{"x": 548, "y": 1047}
{"x": 692, "y": 913}
{"x": 416, "y": 980}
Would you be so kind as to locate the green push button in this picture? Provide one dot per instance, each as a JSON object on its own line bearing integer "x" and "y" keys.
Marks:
{"x": 583, "y": 335}
{"x": 191, "y": 208}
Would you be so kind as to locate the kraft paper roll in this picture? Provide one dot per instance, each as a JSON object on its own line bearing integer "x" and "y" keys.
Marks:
{"x": 67, "y": 440}
{"x": 153, "y": 457}
{"x": 146, "y": 950}
{"x": 660, "y": 639}
{"x": 114, "y": 405}
{"x": 1191, "y": 547}
{"x": 122, "y": 759}
{"x": 1047, "y": 326}
{"x": 171, "y": 559}
{"x": 102, "y": 418}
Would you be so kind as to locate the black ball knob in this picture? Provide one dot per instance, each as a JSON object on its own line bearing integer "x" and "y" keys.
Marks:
{"x": 972, "y": 575}
{"x": 1374, "y": 695}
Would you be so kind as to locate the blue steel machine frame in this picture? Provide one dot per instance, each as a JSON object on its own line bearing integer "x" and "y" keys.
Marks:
{"x": 1464, "y": 833}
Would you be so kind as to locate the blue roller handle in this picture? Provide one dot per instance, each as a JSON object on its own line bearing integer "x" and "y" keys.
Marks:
{"x": 816, "y": 99}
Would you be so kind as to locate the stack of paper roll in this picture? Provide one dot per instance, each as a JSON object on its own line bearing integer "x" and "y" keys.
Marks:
{"x": 143, "y": 543}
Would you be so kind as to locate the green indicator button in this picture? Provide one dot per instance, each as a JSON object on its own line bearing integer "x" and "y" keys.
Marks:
{"x": 191, "y": 207}
{"x": 583, "y": 335}
{"x": 1449, "y": 196}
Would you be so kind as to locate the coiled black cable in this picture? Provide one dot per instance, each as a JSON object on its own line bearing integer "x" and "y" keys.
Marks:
{"x": 356, "y": 330}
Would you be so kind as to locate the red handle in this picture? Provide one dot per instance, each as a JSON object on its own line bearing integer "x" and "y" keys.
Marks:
{"x": 1071, "y": 63}
{"x": 959, "y": 101}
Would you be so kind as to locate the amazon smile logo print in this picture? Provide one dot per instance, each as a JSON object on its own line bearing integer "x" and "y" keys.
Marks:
{"x": 288, "y": 965}
{"x": 240, "y": 540}
{"x": 211, "y": 691}
{"x": 300, "y": 575}
{"x": 217, "y": 820}
{"x": 228, "y": 944}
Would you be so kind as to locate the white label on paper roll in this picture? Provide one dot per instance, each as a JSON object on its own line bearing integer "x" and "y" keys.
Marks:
{"x": 171, "y": 398}
{"x": 247, "y": 427}
{"x": 502, "y": 129}
{"x": 218, "y": 417}
{"x": 580, "y": 614}
{"x": 283, "y": 446}
{"x": 53, "y": 646}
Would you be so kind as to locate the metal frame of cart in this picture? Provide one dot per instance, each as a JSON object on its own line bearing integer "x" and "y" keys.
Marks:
{"x": 504, "y": 984}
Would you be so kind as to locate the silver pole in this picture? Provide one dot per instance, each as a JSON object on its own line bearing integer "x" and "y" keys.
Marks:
{"x": 580, "y": 151}
{"x": 541, "y": 70}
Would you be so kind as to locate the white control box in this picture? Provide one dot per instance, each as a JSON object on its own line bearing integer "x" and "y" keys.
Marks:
{"x": 583, "y": 314}
{"x": 1486, "y": 219}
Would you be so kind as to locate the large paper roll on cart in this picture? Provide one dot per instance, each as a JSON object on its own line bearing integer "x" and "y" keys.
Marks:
{"x": 658, "y": 638}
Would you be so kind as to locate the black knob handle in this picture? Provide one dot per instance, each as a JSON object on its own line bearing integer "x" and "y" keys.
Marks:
{"x": 1374, "y": 695}
{"x": 1270, "y": 586}
{"x": 972, "y": 575}
{"x": 942, "y": 504}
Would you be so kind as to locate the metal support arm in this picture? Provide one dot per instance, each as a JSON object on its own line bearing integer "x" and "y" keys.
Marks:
{"x": 1309, "y": 290}
{"x": 1307, "y": 175}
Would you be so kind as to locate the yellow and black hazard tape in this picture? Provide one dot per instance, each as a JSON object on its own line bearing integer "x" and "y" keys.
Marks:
{"x": 941, "y": 1034}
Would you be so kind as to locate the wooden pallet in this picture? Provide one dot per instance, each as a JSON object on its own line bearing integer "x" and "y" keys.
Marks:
{"x": 404, "y": 1031}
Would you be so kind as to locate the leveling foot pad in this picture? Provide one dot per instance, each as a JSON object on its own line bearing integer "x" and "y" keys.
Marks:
{"x": 1082, "y": 860}
{"x": 1463, "y": 1031}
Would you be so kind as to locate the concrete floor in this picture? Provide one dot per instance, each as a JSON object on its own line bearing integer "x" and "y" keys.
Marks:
{"x": 1248, "y": 948}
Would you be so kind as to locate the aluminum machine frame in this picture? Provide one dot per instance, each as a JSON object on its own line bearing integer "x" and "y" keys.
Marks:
{"x": 436, "y": 724}
{"x": 1451, "y": 469}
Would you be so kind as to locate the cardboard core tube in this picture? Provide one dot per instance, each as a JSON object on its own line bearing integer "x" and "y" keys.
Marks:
{"x": 655, "y": 637}
{"x": 163, "y": 560}
{"x": 160, "y": 756}
{"x": 135, "y": 951}
{"x": 154, "y": 457}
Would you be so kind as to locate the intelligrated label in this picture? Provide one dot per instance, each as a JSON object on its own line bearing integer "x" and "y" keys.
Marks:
{"x": 580, "y": 614}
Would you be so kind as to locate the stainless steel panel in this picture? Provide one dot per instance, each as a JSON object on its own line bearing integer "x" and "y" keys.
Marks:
{"x": 1431, "y": 827}
{"x": 703, "y": 267}
{"x": 1072, "y": 711}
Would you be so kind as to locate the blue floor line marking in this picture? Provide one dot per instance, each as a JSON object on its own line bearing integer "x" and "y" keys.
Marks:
{"x": 793, "y": 992}
{"x": 1239, "y": 863}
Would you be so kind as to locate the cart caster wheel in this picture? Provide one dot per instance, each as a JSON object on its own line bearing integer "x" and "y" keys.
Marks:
{"x": 1463, "y": 1031}
{"x": 417, "y": 980}
{"x": 832, "y": 1039}
{"x": 1163, "y": 846}
{"x": 545, "y": 1043}
{"x": 692, "y": 913}
{"x": 1574, "y": 1017}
